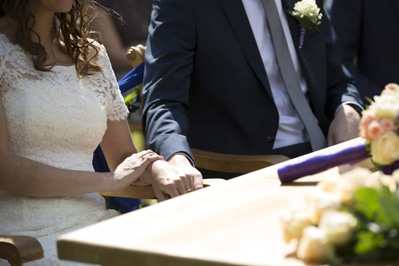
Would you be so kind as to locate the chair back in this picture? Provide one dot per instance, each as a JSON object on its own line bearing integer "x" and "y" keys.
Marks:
{"x": 228, "y": 163}
{"x": 20, "y": 249}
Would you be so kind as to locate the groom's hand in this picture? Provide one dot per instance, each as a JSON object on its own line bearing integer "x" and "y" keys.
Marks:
{"x": 345, "y": 125}
{"x": 173, "y": 178}
{"x": 184, "y": 167}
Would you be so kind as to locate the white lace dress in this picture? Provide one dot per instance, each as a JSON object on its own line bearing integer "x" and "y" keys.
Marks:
{"x": 57, "y": 119}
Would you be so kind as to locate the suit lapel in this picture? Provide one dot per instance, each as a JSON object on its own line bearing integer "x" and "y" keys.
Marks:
{"x": 288, "y": 5}
{"x": 235, "y": 13}
{"x": 395, "y": 5}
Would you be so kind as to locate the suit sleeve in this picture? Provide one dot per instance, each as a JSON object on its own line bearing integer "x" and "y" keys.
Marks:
{"x": 340, "y": 84}
{"x": 346, "y": 18}
{"x": 168, "y": 65}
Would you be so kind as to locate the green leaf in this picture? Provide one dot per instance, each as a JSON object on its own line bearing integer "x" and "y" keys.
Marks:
{"x": 367, "y": 247}
{"x": 389, "y": 207}
{"x": 132, "y": 96}
{"x": 366, "y": 202}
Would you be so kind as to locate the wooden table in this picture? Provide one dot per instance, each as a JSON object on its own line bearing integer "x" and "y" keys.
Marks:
{"x": 234, "y": 223}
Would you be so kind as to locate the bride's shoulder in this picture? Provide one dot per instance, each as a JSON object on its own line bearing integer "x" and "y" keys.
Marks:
{"x": 102, "y": 56}
{"x": 98, "y": 50}
{"x": 98, "y": 46}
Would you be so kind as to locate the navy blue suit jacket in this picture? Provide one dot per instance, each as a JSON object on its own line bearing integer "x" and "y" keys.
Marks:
{"x": 205, "y": 85}
{"x": 368, "y": 30}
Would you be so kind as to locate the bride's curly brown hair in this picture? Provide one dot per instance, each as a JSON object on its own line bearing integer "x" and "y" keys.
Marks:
{"x": 71, "y": 31}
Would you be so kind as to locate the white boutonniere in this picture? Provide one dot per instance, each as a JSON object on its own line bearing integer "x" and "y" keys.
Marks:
{"x": 308, "y": 15}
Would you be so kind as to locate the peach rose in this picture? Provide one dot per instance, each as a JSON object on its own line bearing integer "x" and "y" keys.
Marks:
{"x": 374, "y": 130}
{"x": 387, "y": 124}
{"x": 367, "y": 118}
{"x": 390, "y": 87}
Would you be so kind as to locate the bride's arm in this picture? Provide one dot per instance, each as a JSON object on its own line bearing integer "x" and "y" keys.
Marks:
{"x": 26, "y": 177}
{"x": 117, "y": 143}
{"x": 165, "y": 179}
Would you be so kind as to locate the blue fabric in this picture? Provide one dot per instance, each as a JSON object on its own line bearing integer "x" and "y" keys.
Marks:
{"x": 99, "y": 162}
{"x": 126, "y": 85}
{"x": 131, "y": 79}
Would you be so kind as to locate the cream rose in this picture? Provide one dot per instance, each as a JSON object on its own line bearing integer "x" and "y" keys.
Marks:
{"x": 309, "y": 9}
{"x": 378, "y": 179}
{"x": 351, "y": 181}
{"x": 385, "y": 150}
{"x": 386, "y": 106}
{"x": 319, "y": 201}
{"x": 338, "y": 227}
{"x": 294, "y": 222}
{"x": 312, "y": 246}
{"x": 329, "y": 184}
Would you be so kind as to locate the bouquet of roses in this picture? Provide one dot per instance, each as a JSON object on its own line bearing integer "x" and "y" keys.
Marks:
{"x": 348, "y": 220}
{"x": 379, "y": 129}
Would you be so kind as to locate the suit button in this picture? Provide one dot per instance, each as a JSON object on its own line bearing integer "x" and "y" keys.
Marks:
{"x": 270, "y": 139}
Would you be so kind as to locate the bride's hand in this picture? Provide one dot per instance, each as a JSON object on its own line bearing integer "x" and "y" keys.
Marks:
{"x": 132, "y": 168}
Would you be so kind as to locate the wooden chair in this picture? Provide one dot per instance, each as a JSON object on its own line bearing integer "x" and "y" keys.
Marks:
{"x": 228, "y": 163}
{"x": 135, "y": 54}
{"x": 20, "y": 249}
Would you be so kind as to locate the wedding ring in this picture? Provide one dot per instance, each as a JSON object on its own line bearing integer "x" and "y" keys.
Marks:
{"x": 188, "y": 190}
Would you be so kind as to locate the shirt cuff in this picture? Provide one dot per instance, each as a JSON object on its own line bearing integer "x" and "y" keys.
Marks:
{"x": 358, "y": 108}
{"x": 184, "y": 154}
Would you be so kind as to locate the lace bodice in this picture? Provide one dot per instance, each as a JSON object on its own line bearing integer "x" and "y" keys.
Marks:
{"x": 55, "y": 117}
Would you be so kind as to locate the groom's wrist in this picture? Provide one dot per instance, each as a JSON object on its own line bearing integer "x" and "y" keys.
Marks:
{"x": 180, "y": 158}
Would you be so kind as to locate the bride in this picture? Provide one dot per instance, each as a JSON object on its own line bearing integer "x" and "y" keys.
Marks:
{"x": 59, "y": 100}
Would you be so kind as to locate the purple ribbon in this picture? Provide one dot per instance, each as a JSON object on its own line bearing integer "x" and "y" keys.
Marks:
{"x": 388, "y": 169}
{"x": 317, "y": 163}
{"x": 302, "y": 31}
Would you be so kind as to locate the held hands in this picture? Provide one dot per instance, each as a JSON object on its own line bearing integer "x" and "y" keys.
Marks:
{"x": 345, "y": 125}
{"x": 184, "y": 168}
{"x": 132, "y": 168}
{"x": 174, "y": 178}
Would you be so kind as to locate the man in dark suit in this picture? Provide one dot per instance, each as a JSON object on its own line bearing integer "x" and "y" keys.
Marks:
{"x": 211, "y": 83}
{"x": 369, "y": 35}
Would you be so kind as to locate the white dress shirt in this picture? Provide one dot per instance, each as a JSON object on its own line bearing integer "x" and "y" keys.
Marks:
{"x": 291, "y": 130}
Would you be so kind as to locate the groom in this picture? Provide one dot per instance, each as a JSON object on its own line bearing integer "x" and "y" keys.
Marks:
{"x": 212, "y": 82}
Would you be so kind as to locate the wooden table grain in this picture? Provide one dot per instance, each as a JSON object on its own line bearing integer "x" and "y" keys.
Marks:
{"x": 237, "y": 222}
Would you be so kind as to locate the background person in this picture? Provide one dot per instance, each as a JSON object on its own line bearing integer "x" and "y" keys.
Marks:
{"x": 122, "y": 24}
{"x": 369, "y": 37}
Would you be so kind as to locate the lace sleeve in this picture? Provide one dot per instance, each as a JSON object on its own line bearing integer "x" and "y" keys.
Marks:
{"x": 115, "y": 104}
